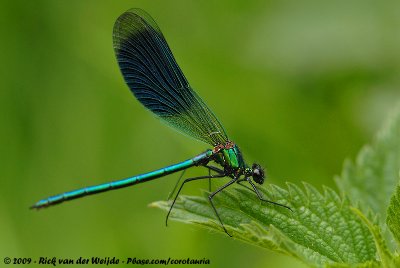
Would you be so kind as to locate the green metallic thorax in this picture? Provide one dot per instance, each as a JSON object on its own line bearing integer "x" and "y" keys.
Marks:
{"x": 230, "y": 158}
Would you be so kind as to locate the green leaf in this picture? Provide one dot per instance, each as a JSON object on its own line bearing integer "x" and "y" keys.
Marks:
{"x": 321, "y": 229}
{"x": 393, "y": 215}
{"x": 371, "y": 180}
{"x": 385, "y": 257}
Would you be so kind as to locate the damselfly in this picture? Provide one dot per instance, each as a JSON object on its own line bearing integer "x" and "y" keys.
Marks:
{"x": 155, "y": 79}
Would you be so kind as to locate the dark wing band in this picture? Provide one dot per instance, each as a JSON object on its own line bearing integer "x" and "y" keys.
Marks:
{"x": 154, "y": 77}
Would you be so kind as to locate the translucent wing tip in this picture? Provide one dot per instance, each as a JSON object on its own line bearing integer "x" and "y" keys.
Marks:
{"x": 132, "y": 22}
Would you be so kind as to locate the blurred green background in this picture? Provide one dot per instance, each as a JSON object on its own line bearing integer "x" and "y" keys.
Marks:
{"x": 299, "y": 85}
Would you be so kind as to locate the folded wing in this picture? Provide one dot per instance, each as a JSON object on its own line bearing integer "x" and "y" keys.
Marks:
{"x": 154, "y": 77}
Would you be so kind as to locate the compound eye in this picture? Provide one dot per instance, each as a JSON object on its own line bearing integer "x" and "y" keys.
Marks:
{"x": 258, "y": 174}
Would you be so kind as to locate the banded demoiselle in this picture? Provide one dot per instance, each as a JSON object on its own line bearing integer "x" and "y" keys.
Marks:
{"x": 155, "y": 79}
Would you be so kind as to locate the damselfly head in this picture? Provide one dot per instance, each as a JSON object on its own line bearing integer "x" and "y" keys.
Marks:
{"x": 258, "y": 173}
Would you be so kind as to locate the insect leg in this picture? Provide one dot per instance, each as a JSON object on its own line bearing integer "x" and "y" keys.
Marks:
{"x": 176, "y": 185}
{"x": 210, "y": 197}
{"x": 183, "y": 183}
{"x": 215, "y": 169}
{"x": 260, "y": 196}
